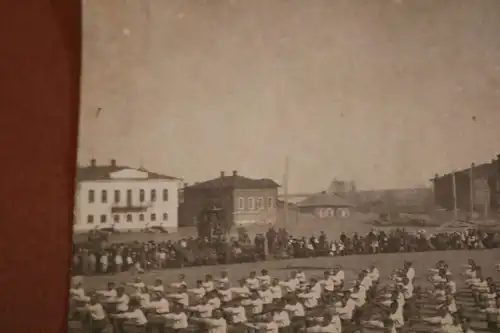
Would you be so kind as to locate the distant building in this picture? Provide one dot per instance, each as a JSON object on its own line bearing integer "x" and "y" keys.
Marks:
{"x": 124, "y": 198}
{"x": 341, "y": 187}
{"x": 403, "y": 200}
{"x": 326, "y": 205}
{"x": 485, "y": 188}
{"x": 243, "y": 200}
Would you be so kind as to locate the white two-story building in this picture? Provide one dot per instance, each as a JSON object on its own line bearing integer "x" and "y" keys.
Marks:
{"x": 124, "y": 198}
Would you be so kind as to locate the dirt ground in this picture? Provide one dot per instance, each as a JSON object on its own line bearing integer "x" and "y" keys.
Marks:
{"x": 316, "y": 266}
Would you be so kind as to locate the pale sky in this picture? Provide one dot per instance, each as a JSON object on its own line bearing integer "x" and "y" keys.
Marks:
{"x": 380, "y": 92}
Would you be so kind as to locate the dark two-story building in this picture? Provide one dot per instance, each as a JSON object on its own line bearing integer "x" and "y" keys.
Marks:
{"x": 484, "y": 180}
{"x": 243, "y": 200}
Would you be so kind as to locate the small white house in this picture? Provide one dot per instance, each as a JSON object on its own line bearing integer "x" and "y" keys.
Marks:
{"x": 124, "y": 198}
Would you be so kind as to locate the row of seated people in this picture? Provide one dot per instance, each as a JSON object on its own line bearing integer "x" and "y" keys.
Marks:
{"x": 296, "y": 304}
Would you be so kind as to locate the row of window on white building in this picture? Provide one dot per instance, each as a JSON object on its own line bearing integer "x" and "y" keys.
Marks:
{"x": 117, "y": 196}
{"x": 252, "y": 203}
{"x": 128, "y": 218}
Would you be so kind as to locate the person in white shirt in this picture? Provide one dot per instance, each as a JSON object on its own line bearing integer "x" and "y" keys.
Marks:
{"x": 118, "y": 263}
{"x": 159, "y": 304}
{"x": 138, "y": 285}
{"x": 325, "y": 326}
{"x": 208, "y": 285}
{"x": 479, "y": 285}
{"x": 224, "y": 293}
{"x": 358, "y": 294}
{"x": 266, "y": 325}
{"x": 143, "y": 297}
{"x": 133, "y": 317}
{"x": 213, "y": 299}
{"x": 333, "y": 249}
{"x": 97, "y": 315}
{"x": 493, "y": 315}
{"x": 242, "y": 291}
{"x": 177, "y": 321}
{"x": 451, "y": 286}
{"x": 157, "y": 286}
{"x": 237, "y": 313}
{"x": 215, "y": 324}
{"x": 407, "y": 288}
{"x": 264, "y": 278}
{"x": 77, "y": 293}
{"x": 181, "y": 283}
{"x": 120, "y": 302}
{"x": 296, "y": 312}
{"x": 254, "y": 303}
{"x": 345, "y": 308}
{"x": 374, "y": 274}
{"x": 266, "y": 296}
{"x": 301, "y": 276}
{"x": 338, "y": 277}
{"x": 450, "y": 305}
{"x": 156, "y": 310}
{"x": 182, "y": 297}
{"x": 281, "y": 317}
{"x": 365, "y": 280}
{"x": 290, "y": 285}
{"x": 276, "y": 289}
{"x": 316, "y": 287}
{"x": 472, "y": 274}
{"x": 327, "y": 284}
{"x": 224, "y": 278}
{"x": 110, "y": 291}
{"x": 252, "y": 282}
{"x": 409, "y": 271}
{"x": 198, "y": 292}
{"x": 395, "y": 315}
{"x": 203, "y": 309}
{"x": 309, "y": 298}
{"x": 104, "y": 261}
{"x": 490, "y": 295}
{"x": 444, "y": 320}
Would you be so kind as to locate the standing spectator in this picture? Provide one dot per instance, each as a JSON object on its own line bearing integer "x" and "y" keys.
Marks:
{"x": 104, "y": 262}
{"x": 92, "y": 263}
{"x": 118, "y": 262}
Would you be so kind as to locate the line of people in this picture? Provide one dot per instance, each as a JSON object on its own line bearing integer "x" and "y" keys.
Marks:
{"x": 117, "y": 258}
{"x": 295, "y": 304}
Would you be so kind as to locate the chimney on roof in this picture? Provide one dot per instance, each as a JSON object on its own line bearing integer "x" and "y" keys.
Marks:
{"x": 186, "y": 184}
{"x": 222, "y": 174}
{"x": 235, "y": 173}
{"x": 93, "y": 162}
{"x": 113, "y": 162}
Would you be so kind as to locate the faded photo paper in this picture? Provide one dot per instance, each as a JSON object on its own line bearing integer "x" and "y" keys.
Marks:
{"x": 288, "y": 166}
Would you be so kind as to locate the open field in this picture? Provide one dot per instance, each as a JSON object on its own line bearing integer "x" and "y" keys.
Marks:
{"x": 316, "y": 266}
{"x": 351, "y": 264}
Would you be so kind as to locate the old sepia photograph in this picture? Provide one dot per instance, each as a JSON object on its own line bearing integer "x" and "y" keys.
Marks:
{"x": 288, "y": 166}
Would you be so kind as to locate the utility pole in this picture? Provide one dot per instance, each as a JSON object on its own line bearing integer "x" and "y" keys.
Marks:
{"x": 454, "y": 189}
{"x": 285, "y": 189}
{"x": 471, "y": 192}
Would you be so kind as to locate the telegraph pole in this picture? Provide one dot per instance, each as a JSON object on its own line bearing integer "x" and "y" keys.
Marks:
{"x": 454, "y": 189}
{"x": 471, "y": 193}
{"x": 285, "y": 189}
